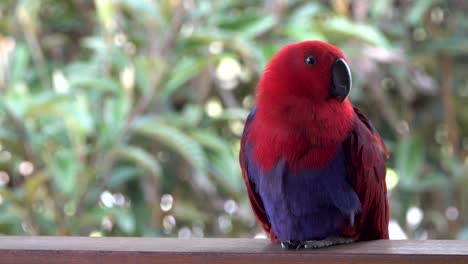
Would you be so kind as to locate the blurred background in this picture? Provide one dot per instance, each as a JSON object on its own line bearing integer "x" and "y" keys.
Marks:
{"x": 123, "y": 117}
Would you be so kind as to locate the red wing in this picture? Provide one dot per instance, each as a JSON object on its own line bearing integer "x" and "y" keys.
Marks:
{"x": 367, "y": 176}
{"x": 255, "y": 200}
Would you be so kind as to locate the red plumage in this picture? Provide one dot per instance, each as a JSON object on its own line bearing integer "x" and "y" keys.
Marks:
{"x": 255, "y": 200}
{"x": 367, "y": 176}
{"x": 296, "y": 120}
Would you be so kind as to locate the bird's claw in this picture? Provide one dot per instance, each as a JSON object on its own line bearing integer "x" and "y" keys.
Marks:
{"x": 330, "y": 241}
{"x": 292, "y": 244}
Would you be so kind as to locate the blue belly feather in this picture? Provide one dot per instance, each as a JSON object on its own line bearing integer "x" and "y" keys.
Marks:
{"x": 311, "y": 204}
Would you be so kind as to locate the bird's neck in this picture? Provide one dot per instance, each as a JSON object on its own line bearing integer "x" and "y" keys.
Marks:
{"x": 305, "y": 135}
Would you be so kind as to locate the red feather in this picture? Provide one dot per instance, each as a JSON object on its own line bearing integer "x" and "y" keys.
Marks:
{"x": 293, "y": 108}
{"x": 366, "y": 171}
{"x": 255, "y": 200}
{"x": 367, "y": 176}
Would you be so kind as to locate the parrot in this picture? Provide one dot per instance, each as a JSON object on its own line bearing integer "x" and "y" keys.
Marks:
{"x": 311, "y": 162}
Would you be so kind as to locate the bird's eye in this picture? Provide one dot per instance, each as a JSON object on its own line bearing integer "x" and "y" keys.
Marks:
{"x": 311, "y": 60}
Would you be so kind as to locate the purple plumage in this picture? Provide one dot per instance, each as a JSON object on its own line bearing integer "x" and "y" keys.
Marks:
{"x": 309, "y": 204}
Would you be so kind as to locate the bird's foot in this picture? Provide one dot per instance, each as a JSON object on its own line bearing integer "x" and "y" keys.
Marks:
{"x": 291, "y": 244}
{"x": 330, "y": 241}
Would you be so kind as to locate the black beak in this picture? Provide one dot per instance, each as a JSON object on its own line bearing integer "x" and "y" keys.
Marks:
{"x": 341, "y": 75}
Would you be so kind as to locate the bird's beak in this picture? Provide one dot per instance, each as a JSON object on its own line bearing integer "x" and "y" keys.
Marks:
{"x": 341, "y": 80}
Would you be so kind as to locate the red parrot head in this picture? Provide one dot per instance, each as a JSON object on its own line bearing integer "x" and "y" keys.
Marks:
{"x": 303, "y": 94}
{"x": 311, "y": 69}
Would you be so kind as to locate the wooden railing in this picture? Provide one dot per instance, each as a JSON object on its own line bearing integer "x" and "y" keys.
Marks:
{"x": 50, "y": 250}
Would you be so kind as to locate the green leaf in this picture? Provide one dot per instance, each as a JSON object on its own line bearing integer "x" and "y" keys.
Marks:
{"x": 95, "y": 83}
{"x": 210, "y": 140}
{"x": 64, "y": 170}
{"x": 192, "y": 115}
{"x": 184, "y": 70}
{"x": 121, "y": 175}
{"x": 105, "y": 10}
{"x": 8, "y": 136}
{"x": 124, "y": 219}
{"x": 409, "y": 157}
{"x": 417, "y": 11}
{"x": 17, "y": 99}
{"x": 346, "y": 28}
{"x": 46, "y": 103}
{"x": 11, "y": 219}
{"x": 302, "y": 25}
{"x": 143, "y": 9}
{"x": 115, "y": 112}
{"x": 33, "y": 184}
{"x": 259, "y": 27}
{"x": 303, "y": 32}
{"x": 96, "y": 43}
{"x": 78, "y": 119}
{"x": 431, "y": 181}
{"x": 140, "y": 157}
{"x": 380, "y": 8}
{"x": 227, "y": 172}
{"x": 452, "y": 45}
{"x": 189, "y": 149}
{"x": 233, "y": 114}
{"x": 186, "y": 211}
{"x": 21, "y": 60}
{"x": 248, "y": 50}
{"x": 122, "y": 216}
{"x": 223, "y": 164}
{"x": 305, "y": 13}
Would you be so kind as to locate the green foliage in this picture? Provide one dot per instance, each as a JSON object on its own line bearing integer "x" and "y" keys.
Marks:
{"x": 107, "y": 107}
